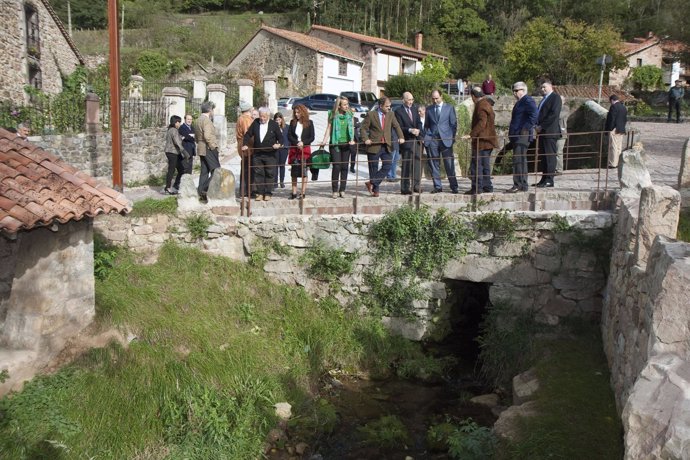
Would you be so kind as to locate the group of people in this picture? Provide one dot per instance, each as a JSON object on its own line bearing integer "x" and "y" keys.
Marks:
{"x": 268, "y": 146}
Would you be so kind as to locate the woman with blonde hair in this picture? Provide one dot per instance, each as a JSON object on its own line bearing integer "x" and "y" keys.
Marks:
{"x": 340, "y": 133}
{"x": 301, "y": 135}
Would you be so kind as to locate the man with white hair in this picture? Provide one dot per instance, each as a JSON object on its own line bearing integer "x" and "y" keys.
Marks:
{"x": 268, "y": 138}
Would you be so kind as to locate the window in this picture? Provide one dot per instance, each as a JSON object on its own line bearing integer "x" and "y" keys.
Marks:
{"x": 342, "y": 68}
{"x": 33, "y": 46}
{"x": 639, "y": 62}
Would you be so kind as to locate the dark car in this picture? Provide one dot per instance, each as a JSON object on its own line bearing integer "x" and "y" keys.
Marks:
{"x": 323, "y": 101}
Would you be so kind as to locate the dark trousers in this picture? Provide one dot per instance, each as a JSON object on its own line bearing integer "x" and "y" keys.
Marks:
{"x": 264, "y": 166}
{"x": 246, "y": 175}
{"x": 340, "y": 157}
{"x": 280, "y": 169}
{"x": 174, "y": 164}
{"x": 209, "y": 163}
{"x": 520, "y": 164}
{"x": 480, "y": 171}
{"x": 411, "y": 168}
{"x": 437, "y": 151}
{"x": 548, "y": 146}
{"x": 674, "y": 104}
{"x": 353, "y": 156}
{"x": 377, "y": 175}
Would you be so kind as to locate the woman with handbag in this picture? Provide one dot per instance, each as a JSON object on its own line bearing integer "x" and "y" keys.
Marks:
{"x": 175, "y": 153}
{"x": 341, "y": 129}
{"x": 301, "y": 135}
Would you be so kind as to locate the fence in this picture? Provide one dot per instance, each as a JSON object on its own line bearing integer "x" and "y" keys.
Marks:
{"x": 584, "y": 167}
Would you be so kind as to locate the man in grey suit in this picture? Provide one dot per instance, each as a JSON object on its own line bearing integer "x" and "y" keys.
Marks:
{"x": 441, "y": 125}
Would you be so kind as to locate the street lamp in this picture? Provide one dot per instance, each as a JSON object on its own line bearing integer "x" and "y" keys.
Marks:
{"x": 602, "y": 61}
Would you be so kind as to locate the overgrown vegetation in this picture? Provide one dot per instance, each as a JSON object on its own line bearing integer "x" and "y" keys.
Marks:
{"x": 152, "y": 206}
{"x": 104, "y": 255}
{"x": 198, "y": 225}
{"x": 502, "y": 224}
{"x": 387, "y": 431}
{"x": 217, "y": 344}
{"x": 327, "y": 264}
{"x": 684, "y": 226}
{"x": 410, "y": 246}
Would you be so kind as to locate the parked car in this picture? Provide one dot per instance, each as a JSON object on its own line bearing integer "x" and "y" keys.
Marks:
{"x": 320, "y": 101}
{"x": 286, "y": 102}
{"x": 361, "y": 98}
{"x": 395, "y": 103}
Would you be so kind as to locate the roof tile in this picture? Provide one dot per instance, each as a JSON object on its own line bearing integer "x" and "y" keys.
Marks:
{"x": 37, "y": 188}
{"x": 311, "y": 42}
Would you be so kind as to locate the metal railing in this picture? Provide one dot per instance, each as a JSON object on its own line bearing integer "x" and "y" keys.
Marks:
{"x": 584, "y": 167}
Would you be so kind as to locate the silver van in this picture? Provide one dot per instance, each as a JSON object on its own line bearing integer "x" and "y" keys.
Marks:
{"x": 363, "y": 98}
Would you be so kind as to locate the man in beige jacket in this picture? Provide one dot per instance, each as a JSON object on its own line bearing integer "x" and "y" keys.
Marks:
{"x": 206, "y": 147}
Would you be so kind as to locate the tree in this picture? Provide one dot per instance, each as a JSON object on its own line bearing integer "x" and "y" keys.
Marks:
{"x": 434, "y": 69}
{"x": 565, "y": 53}
{"x": 647, "y": 77}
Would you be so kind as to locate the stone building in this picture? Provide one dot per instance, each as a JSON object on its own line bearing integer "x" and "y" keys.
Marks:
{"x": 47, "y": 292}
{"x": 301, "y": 64}
{"x": 382, "y": 58}
{"x": 36, "y": 47}
{"x": 651, "y": 50}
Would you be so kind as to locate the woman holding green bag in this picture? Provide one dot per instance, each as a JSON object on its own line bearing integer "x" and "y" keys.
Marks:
{"x": 341, "y": 134}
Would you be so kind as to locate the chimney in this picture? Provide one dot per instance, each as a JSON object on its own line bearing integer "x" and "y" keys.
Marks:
{"x": 418, "y": 38}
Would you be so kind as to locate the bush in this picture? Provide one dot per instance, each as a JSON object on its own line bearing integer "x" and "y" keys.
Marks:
{"x": 647, "y": 77}
{"x": 420, "y": 87}
{"x": 327, "y": 264}
{"x": 153, "y": 64}
{"x": 198, "y": 225}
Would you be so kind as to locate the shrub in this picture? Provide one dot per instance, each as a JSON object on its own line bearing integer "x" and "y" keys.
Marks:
{"x": 152, "y": 206}
{"x": 388, "y": 431}
{"x": 198, "y": 225}
{"x": 647, "y": 77}
{"x": 327, "y": 264}
{"x": 104, "y": 256}
{"x": 420, "y": 86}
{"x": 153, "y": 64}
{"x": 472, "y": 442}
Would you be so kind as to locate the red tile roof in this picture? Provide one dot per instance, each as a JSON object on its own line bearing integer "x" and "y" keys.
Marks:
{"x": 37, "y": 189}
{"x": 313, "y": 43}
{"x": 591, "y": 92}
{"x": 376, "y": 41}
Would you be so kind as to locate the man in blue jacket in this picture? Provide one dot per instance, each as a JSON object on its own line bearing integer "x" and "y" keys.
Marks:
{"x": 441, "y": 125}
{"x": 521, "y": 133}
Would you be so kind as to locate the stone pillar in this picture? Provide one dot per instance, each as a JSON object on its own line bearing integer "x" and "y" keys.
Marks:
{"x": 246, "y": 91}
{"x": 216, "y": 94}
{"x": 658, "y": 215}
{"x": 135, "y": 85}
{"x": 199, "y": 89}
{"x": 174, "y": 99}
{"x": 93, "y": 124}
{"x": 270, "y": 93}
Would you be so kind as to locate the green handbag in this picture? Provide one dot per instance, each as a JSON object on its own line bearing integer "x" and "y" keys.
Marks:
{"x": 320, "y": 159}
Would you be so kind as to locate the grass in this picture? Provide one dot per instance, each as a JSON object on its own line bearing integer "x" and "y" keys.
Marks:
{"x": 151, "y": 206}
{"x": 217, "y": 344}
{"x": 577, "y": 412}
{"x": 684, "y": 226}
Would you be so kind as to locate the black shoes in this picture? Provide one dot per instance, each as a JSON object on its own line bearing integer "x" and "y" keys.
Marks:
{"x": 544, "y": 184}
{"x": 513, "y": 189}
{"x": 436, "y": 190}
{"x": 470, "y": 192}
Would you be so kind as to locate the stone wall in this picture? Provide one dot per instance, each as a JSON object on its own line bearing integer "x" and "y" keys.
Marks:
{"x": 51, "y": 295}
{"x": 56, "y": 56}
{"x": 551, "y": 272}
{"x": 142, "y": 152}
{"x": 645, "y": 319}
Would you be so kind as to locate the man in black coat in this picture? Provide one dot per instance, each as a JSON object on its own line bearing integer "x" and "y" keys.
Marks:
{"x": 549, "y": 131}
{"x": 411, "y": 150}
{"x": 186, "y": 131}
{"x": 616, "y": 120}
{"x": 268, "y": 138}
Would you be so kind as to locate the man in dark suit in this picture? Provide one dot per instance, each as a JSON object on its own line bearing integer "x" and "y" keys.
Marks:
{"x": 615, "y": 124}
{"x": 411, "y": 150}
{"x": 378, "y": 137}
{"x": 522, "y": 121}
{"x": 268, "y": 138}
{"x": 186, "y": 131}
{"x": 549, "y": 132}
{"x": 441, "y": 125}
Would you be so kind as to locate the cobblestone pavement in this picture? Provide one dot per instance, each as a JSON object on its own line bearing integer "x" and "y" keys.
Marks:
{"x": 662, "y": 142}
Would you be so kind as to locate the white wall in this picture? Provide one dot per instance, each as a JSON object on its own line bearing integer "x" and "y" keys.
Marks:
{"x": 334, "y": 83}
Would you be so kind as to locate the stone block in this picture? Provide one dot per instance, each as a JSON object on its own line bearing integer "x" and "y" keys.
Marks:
{"x": 525, "y": 385}
{"x": 411, "y": 329}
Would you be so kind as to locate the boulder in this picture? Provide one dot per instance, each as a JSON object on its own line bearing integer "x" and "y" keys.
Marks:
{"x": 525, "y": 385}
{"x": 506, "y": 426}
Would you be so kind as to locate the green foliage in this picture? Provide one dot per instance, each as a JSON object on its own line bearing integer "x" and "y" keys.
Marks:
{"x": 425, "y": 367}
{"x": 420, "y": 86}
{"x": 647, "y": 77}
{"x": 506, "y": 343}
{"x": 501, "y": 223}
{"x": 435, "y": 69}
{"x": 151, "y": 207}
{"x": 152, "y": 64}
{"x": 327, "y": 264}
{"x": 4, "y": 375}
{"x": 410, "y": 245}
{"x": 104, "y": 256}
{"x": 639, "y": 108}
{"x": 565, "y": 52}
{"x": 471, "y": 441}
{"x": 684, "y": 226}
{"x": 262, "y": 248}
{"x": 463, "y": 148}
{"x": 387, "y": 431}
{"x": 560, "y": 224}
{"x": 198, "y": 225}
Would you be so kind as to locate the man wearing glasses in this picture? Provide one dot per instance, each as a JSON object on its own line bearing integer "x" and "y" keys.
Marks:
{"x": 522, "y": 122}
{"x": 441, "y": 124}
